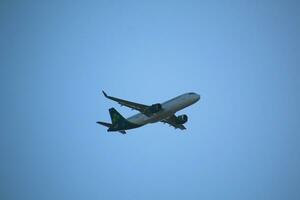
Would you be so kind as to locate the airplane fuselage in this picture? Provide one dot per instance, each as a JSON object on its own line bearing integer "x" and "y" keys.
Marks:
{"x": 169, "y": 108}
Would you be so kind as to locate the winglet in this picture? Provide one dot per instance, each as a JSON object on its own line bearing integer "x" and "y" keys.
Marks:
{"x": 104, "y": 94}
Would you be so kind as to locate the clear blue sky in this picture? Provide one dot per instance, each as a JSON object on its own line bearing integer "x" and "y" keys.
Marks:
{"x": 243, "y": 136}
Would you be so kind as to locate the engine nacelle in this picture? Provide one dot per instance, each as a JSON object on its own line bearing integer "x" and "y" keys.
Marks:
{"x": 181, "y": 119}
{"x": 154, "y": 108}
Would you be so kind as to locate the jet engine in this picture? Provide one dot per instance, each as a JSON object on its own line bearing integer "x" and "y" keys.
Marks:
{"x": 181, "y": 119}
{"x": 154, "y": 108}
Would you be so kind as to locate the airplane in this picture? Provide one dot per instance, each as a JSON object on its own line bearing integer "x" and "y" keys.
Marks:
{"x": 159, "y": 112}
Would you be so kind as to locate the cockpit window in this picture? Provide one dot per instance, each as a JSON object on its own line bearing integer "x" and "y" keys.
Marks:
{"x": 190, "y": 93}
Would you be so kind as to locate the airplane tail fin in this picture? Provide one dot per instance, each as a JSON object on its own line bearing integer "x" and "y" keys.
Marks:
{"x": 116, "y": 117}
{"x": 118, "y": 122}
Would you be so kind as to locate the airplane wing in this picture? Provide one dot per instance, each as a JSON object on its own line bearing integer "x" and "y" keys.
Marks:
{"x": 172, "y": 122}
{"x": 136, "y": 106}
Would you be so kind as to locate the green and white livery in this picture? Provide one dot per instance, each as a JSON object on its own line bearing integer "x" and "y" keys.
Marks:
{"x": 164, "y": 112}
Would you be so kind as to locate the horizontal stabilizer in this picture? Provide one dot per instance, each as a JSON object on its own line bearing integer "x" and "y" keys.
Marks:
{"x": 105, "y": 124}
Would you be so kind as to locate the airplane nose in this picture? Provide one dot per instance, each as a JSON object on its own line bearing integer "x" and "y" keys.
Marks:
{"x": 197, "y": 97}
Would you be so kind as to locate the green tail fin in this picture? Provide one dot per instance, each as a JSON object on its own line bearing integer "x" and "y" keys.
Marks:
{"x": 115, "y": 116}
{"x": 119, "y": 122}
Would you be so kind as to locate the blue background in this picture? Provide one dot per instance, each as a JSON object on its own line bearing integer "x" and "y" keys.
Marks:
{"x": 242, "y": 140}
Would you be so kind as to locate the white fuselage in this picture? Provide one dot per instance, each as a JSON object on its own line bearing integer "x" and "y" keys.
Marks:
{"x": 169, "y": 108}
